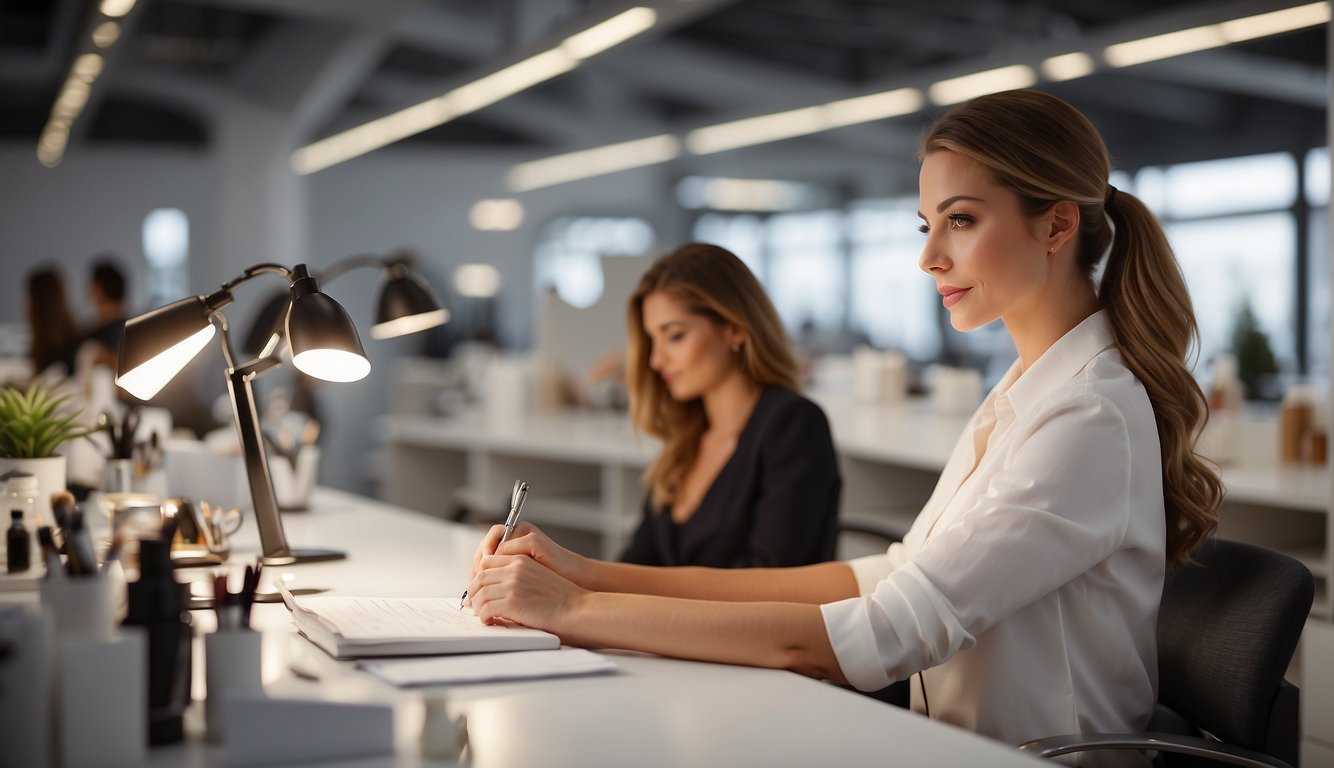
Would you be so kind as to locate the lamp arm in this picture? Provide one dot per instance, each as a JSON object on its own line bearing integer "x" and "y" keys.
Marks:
{"x": 255, "y": 271}
{"x": 355, "y": 262}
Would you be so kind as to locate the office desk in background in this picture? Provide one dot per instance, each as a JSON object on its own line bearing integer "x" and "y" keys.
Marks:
{"x": 652, "y": 712}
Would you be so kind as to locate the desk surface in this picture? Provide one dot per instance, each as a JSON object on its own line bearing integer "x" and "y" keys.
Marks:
{"x": 654, "y": 711}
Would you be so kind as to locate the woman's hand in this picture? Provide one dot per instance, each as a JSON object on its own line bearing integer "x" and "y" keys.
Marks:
{"x": 528, "y": 540}
{"x": 515, "y": 589}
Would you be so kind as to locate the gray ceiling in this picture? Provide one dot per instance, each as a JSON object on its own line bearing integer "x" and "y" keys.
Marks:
{"x": 332, "y": 64}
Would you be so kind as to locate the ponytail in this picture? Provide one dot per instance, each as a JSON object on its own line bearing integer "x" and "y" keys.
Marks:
{"x": 1144, "y": 296}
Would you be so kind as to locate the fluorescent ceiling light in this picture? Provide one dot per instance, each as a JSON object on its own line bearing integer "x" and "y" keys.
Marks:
{"x": 500, "y": 215}
{"x": 877, "y": 106}
{"x": 1275, "y": 22}
{"x": 477, "y": 281}
{"x": 1069, "y": 66}
{"x": 957, "y": 89}
{"x": 470, "y": 97}
{"x": 87, "y": 67}
{"x": 559, "y": 169}
{"x": 116, "y": 8}
{"x": 757, "y": 130}
{"x": 1164, "y": 46}
{"x": 106, "y": 34}
{"x": 610, "y": 33}
{"x": 504, "y": 83}
{"x": 725, "y": 194}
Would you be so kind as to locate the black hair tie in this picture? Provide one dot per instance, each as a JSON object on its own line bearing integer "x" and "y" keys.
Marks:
{"x": 1111, "y": 197}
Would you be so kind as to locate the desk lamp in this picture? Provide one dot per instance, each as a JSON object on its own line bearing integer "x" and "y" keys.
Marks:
{"x": 406, "y": 304}
{"x": 157, "y": 345}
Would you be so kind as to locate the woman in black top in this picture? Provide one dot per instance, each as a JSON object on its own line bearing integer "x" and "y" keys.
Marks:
{"x": 747, "y": 474}
{"x": 55, "y": 334}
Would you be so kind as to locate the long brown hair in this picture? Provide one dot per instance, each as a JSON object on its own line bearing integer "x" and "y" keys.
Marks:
{"x": 55, "y": 334}
{"x": 1046, "y": 151}
{"x": 713, "y": 283}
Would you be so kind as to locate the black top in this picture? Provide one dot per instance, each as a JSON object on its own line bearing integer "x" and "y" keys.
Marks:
{"x": 775, "y": 502}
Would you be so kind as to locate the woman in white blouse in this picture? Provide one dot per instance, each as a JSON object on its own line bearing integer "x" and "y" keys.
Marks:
{"x": 1026, "y": 593}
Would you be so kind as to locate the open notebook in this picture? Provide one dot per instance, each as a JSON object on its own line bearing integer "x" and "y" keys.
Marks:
{"x": 356, "y": 627}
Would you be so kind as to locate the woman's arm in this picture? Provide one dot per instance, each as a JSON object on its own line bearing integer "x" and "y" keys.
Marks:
{"x": 766, "y": 634}
{"x": 811, "y": 584}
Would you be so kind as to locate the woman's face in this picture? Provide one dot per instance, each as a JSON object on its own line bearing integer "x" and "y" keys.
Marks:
{"x": 980, "y": 249}
{"x": 691, "y": 353}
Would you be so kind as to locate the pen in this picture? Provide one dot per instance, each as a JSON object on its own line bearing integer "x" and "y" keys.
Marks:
{"x": 517, "y": 497}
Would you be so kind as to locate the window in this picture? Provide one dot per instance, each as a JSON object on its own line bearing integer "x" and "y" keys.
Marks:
{"x": 166, "y": 234}
{"x": 806, "y": 269}
{"x": 891, "y": 300}
{"x": 569, "y": 256}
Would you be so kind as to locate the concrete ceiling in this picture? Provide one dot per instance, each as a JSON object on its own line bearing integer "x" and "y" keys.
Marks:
{"x": 332, "y": 64}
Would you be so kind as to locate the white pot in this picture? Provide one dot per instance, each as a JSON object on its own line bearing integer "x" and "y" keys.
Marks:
{"x": 50, "y": 474}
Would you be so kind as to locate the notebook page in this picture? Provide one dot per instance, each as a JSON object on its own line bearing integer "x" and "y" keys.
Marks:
{"x": 379, "y": 618}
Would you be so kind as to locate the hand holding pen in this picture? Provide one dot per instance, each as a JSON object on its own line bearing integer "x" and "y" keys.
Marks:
{"x": 517, "y": 497}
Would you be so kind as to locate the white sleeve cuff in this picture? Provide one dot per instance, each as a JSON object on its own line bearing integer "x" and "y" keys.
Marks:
{"x": 849, "y": 628}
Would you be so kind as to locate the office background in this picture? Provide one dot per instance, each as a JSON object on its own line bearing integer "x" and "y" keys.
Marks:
{"x": 180, "y": 159}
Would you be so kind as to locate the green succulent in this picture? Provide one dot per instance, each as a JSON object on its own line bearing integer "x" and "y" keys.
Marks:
{"x": 34, "y": 422}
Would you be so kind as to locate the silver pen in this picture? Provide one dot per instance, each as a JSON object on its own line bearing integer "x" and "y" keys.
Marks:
{"x": 517, "y": 497}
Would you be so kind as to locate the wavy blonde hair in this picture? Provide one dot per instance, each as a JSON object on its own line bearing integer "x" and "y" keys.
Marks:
{"x": 713, "y": 283}
{"x": 1046, "y": 151}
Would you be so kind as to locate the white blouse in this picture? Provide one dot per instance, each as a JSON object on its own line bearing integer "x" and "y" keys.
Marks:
{"x": 1028, "y": 587}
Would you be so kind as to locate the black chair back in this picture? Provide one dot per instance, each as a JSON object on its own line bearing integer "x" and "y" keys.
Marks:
{"x": 1227, "y": 628}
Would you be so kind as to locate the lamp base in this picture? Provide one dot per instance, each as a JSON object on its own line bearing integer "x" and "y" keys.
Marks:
{"x": 298, "y": 556}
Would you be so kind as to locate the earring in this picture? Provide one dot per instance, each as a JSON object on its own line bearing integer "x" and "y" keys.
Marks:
{"x": 736, "y": 347}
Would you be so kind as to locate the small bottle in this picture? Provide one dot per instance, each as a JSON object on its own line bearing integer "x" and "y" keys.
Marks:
{"x": 18, "y": 544}
{"x": 1296, "y": 415}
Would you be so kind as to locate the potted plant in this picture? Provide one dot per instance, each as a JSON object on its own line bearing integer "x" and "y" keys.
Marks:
{"x": 33, "y": 424}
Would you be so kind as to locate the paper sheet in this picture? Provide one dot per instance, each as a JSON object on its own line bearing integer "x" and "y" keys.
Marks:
{"x": 482, "y": 667}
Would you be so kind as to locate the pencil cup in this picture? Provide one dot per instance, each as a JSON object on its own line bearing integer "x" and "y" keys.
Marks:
{"x": 231, "y": 667}
{"x": 101, "y": 700}
{"x": 80, "y": 607}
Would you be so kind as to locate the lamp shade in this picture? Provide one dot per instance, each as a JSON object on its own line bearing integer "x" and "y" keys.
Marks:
{"x": 407, "y": 305}
{"x": 324, "y": 341}
{"x": 156, "y": 345}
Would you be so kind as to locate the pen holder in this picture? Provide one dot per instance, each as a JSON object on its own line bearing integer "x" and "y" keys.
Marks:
{"x": 101, "y": 704}
{"x": 231, "y": 667}
{"x": 80, "y": 607}
{"x": 293, "y": 479}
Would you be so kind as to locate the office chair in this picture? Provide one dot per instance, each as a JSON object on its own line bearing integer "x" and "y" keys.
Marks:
{"x": 1227, "y": 628}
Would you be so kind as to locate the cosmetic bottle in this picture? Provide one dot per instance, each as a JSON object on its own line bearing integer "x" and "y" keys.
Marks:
{"x": 157, "y": 602}
{"x": 18, "y": 544}
{"x": 1296, "y": 416}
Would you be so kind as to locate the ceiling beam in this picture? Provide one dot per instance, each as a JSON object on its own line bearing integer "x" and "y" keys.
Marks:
{"x": 1250, "y": 74}
{"x": 48, "y": 66}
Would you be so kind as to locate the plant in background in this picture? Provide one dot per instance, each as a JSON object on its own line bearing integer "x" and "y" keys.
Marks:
{"x": 1256, "y": 364}
{"x": 34, "y": 422}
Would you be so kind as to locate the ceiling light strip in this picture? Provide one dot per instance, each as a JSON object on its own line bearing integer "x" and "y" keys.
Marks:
{"x": 804, "y": 121}
{"x": 593, "y": 162}
{"x": 78, "y": 86}
{"x": 480, "y": 93}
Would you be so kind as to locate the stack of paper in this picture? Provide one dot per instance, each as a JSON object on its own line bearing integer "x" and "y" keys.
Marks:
{"x": 487, "y": 667}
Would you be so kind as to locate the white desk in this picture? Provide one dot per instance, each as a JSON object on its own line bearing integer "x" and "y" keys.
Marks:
{"x": 653, "y": 712}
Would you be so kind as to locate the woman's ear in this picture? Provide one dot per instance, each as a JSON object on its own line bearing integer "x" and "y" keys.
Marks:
{"x": 1063, "y": 224}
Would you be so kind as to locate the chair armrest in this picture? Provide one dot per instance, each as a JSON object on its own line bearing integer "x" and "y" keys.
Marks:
{"x": 1055, "y": 746}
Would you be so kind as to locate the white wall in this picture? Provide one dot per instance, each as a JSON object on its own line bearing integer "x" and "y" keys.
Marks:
{"x": 95, "y": 202}
{"x": 243, "y": 210}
